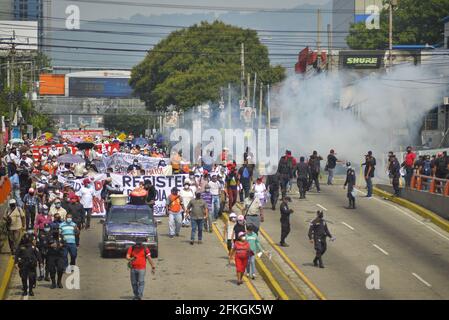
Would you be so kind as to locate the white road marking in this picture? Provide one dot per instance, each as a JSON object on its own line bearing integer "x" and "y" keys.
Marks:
{"x": 319, "y": 205}
{"x": 347, "y": 225}
{"x": 421, "y": 279}
{"x": 408, "y": 215}
{"x": 382, "y": 250}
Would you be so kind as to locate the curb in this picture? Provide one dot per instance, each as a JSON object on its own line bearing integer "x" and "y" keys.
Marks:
{"x": 272, "y": 283}
{"x": 248, "y": 283}
{"x": 6, "y": 278}
{"x": 423, "y": 212}
{"x": 292, "y": 265}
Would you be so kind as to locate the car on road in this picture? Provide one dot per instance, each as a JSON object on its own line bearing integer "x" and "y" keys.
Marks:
{"x": 126, "y": 224}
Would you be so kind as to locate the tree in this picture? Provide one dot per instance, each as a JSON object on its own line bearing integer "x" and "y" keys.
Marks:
{"x": 414, "y": 22}
{"x": 127, "y": 123}
{"x": 188, "y": 67}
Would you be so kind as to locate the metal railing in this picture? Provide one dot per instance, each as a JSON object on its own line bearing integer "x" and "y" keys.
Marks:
{"x": 430, "y": 184}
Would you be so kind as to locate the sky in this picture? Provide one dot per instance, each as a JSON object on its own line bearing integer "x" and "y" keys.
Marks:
{"x": 112, "y": 11}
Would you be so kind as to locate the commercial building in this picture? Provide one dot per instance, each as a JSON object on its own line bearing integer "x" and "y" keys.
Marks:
{"x": 7, "y": 10}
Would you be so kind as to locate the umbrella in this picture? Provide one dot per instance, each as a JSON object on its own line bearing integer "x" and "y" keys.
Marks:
{"x": 70, "y": 158}
{"x": 13, "y": 141}
{"x": 85, "y": 145}
{"x": 140, "y": 141}
{"x": 76, "y": 139}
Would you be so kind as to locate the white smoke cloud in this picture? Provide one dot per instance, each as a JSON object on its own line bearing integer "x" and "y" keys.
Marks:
{"x": 312, "y": 118}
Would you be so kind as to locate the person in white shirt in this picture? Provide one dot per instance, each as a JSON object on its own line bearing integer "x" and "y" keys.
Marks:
{"x": 53, "y": 152}
{"x": 260, "y": 190}
{"x": 215, "y": 190}
{"x": 86, "y": 194}
{"x": 187, "y": 194}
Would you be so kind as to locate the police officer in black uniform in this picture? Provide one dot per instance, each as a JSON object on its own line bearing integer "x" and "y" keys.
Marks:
{"x": 274, "y": 183}
{"x": 43, "y": 238}
{"x": 302, "y": 173}
{"x": 285, "y": 220}
{"x": 26, "y": 260}
{"x": 394, "y": 172}
{"x": 285, "y": 169}
{"x": 350, "y": 182}
{"x": 318, "y": 232}
{"x": 55, "y": 259}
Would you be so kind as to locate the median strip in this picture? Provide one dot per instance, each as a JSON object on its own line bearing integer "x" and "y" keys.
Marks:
{"x": 6, "y": 277}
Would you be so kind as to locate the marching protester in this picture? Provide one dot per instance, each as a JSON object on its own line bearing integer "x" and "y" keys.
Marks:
{"x": 68, "y": 231}
{"x": 232, "y": 181}
{"x": 207, "y": 197}
{"x": 86, "y": 194}
{"x": 240, "y": 253}
{"x": 260, "y": 191}
{"x": 137, "y": 256}
{"x": 253, "y": 212}
{"x": 198, "y": 211}
{"x": 245, "y": 174}
{"x": 330, "y": 166}
{"x": 216, "y": 188}
{"x": 174, "y": 209}
{"x": 228, "y": 230}
{"x": 31, "y": 203}
{"x": 15, "y": 224}
{"x": 350, "y": 183}
{"x": 318, "y": 232}
{"x": 255, "y": 247}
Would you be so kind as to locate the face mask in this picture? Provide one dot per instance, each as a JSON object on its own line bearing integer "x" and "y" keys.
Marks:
{"x": 58, "y": 205}
{"x": 207, "y": 190}
{"x": 46, "y": 229}
{"x": 45, "y": 213}
{"x": 69, "y": 220}
{"x": 240, "y": 222}
{"x": 12, "y": 206}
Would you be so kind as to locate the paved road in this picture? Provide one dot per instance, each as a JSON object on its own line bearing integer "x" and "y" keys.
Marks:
{"x": 412, "y": 254}
{"x": 183, "y": 272}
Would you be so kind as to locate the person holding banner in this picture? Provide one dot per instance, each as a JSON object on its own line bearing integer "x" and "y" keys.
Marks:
{"x": 174, "y": 211}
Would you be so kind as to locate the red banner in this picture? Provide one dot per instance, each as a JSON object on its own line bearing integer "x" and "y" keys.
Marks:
{"x": 37, "y": 150}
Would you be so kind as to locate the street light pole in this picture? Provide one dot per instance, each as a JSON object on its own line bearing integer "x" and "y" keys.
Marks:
{"x": 390, "y": 34}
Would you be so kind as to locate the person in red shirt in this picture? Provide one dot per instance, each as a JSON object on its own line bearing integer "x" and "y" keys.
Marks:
{"x": 241, "y": 253}
{"x": 408, "y": 164}
{"x": 137, "y": 256}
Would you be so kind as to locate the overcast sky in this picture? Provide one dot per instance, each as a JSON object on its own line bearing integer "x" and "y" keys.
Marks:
{"x": 91, "y": 11}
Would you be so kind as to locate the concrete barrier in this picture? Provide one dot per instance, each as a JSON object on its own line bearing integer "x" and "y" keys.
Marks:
{"x": 431, "y": 201}
{"x": 425, "y": 213}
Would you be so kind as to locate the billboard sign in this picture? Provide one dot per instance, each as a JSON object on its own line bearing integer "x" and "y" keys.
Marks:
{"x": 99, "y": 87}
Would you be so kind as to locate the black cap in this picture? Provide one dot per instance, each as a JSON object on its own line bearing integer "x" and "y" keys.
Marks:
{"x": 370, "y": 153}
{"x": 174, "y": 189}
{"x": 320, "y": 214}
{"x": 286, "y": 198}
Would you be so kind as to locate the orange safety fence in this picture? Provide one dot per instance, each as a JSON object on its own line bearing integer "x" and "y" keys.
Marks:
{"x": 430, "y": 184}
{"x": 5, "y": 189}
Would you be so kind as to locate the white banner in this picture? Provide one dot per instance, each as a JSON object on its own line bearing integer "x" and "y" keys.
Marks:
{"x": 163, "y": 185}
{"x": 120, "y": 162}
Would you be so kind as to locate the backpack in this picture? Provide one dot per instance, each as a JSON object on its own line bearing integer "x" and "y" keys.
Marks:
{"x": 427, "y": 170}
{"x": 245, "y": 173}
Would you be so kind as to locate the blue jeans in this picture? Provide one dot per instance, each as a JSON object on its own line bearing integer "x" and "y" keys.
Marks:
{"x": 138, "y": 282}
{"x": 251, "y": 266}
{"x": 174, "y": 223}
{"x": 215, "y": 206}
{"x": 369, "y": 185}
{"x": 331, "y": 175}
{"x": 70, "y": 248}
{"x": 197, "y": 224}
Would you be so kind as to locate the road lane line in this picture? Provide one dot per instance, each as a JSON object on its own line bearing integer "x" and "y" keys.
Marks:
{"x": 347, "y": 225}
{"x": 408, "y": 215}
{"x": 319, "y": 205}
{"x": 382, "y": 250}
{"x": 421, "y": 279}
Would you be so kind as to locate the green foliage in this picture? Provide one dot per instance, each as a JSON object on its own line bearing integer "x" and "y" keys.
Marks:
{"x": 127, "y": 123}
{"x": 188, "y": 67}
{"x": 414, "y": 22}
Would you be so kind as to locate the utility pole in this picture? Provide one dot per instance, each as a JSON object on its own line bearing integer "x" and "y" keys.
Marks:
{"x": 229, "y": 106}
{"x": 260, "y": 105}
{"x": 329, "y": 48}
{"x": 268, "y": 108}
{"x": 242, "y": 79}
{"x": 13, "y": 80}
{"x": 390, "y": 34}
{"x": 254, "y": 92}
{"x": 248, "y": 90}
{"x": 318, "y": 38}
